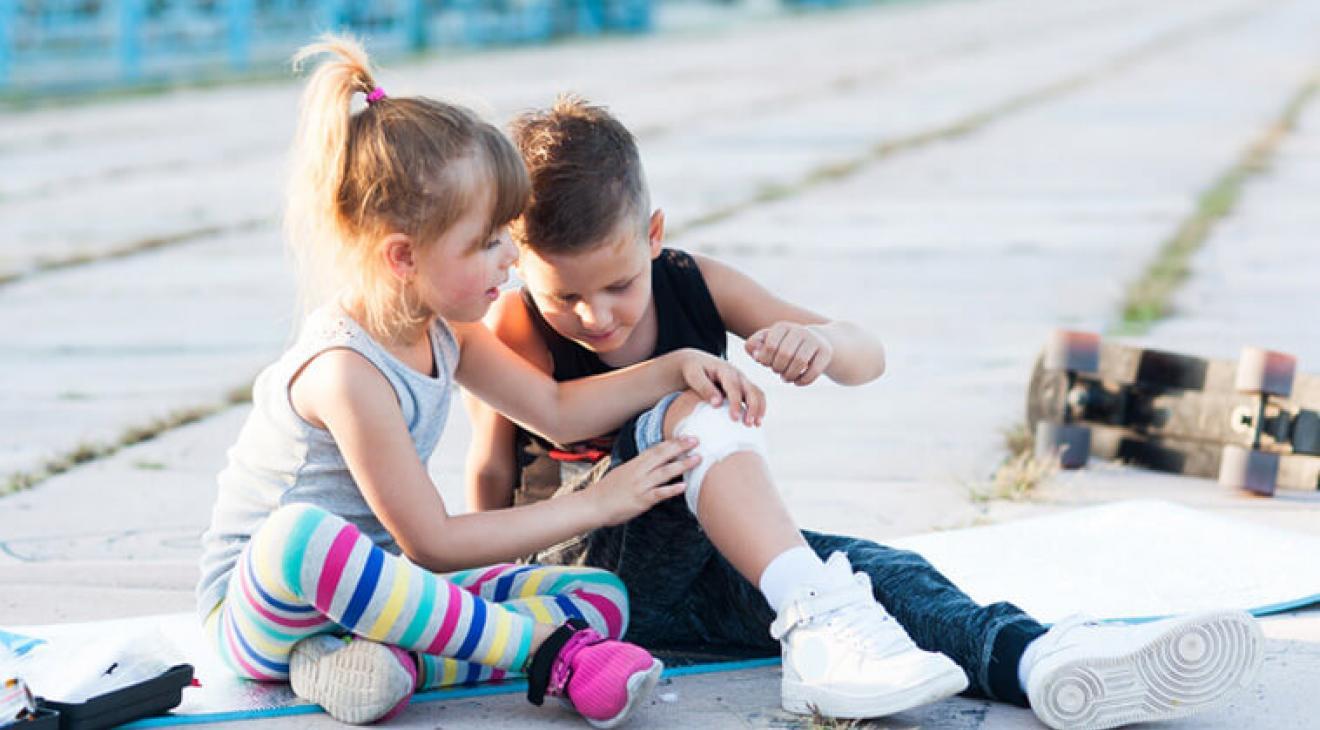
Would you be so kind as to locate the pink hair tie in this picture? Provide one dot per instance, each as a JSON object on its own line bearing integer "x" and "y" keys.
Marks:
{"x": 376, "y": 95}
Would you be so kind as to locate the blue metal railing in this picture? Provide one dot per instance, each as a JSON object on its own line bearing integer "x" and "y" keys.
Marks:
{"x": 52, "y": 44}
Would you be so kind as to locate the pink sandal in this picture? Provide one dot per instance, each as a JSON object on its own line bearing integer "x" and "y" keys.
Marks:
{"x": 603, "y": 679}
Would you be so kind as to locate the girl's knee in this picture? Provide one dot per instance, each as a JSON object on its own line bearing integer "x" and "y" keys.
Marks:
{"x": 286, "y": 518}
{"x": 605, "y": 597}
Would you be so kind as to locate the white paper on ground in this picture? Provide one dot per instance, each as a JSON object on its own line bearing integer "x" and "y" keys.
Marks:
{"x": 1134, "y": 559}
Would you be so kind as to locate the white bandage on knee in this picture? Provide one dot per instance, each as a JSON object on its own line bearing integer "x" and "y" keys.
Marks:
{"x": 717, "y": 436}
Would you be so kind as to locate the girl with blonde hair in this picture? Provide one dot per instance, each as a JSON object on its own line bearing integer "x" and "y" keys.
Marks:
{"x": 330, "y": 557}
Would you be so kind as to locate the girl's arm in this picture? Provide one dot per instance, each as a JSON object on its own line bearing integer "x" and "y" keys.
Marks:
{"x": 795, "y": 342}
{"x": 492, "y": 464}
{"x": 579, "y": 409}
{"x": 344, "y": 393}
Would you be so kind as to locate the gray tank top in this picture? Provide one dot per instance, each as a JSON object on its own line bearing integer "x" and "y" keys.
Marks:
{"x": 281, "y": 459}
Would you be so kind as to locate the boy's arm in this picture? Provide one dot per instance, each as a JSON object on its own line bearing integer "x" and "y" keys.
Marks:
{"x": 797, "y": 343}
{"x": 492, "y": 465}
{"x": 491, "y": 472}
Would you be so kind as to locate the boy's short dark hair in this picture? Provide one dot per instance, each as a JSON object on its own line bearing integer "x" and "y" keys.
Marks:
{"x": 586, "y": 176}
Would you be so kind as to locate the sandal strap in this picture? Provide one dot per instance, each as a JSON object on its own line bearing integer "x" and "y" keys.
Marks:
{"x": 543, "y": 661}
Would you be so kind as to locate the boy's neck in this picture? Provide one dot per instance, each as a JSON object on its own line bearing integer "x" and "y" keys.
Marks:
{"x": 640, "y": 345}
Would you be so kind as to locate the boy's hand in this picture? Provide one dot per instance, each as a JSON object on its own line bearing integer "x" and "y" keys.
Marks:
{"x": 640, "y": 484}
{"x": 796, "y": 352}
{"x": 714, "y": 380}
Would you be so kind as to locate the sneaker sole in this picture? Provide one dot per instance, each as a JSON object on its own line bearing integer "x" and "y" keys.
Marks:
{"x": 1190, "y": 667}
{"x": 356, "y": 684}
{"x": 803, "y": 699}
{"x": 640, "y": 686}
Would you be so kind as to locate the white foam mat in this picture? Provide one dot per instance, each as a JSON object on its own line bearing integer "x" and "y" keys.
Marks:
{"x": 1129, "y": 560}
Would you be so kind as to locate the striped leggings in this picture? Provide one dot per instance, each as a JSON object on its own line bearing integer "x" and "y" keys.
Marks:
{"x": 307, "y": 572}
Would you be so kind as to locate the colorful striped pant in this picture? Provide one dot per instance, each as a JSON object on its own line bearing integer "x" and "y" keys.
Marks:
{"x": 307, "y": 572}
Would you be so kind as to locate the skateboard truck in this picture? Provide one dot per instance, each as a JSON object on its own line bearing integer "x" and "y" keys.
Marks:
{"x": 1266, "y": 375}
{"x": 1073, "y": 353}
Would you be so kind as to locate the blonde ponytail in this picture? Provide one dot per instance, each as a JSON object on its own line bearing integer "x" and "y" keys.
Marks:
{"x": 314, "y": 228}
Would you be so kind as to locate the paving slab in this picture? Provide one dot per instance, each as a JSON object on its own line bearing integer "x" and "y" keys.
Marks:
{"x": 176, "y": 161}
{"x": 961, "y": 251}
{"x": 716, "y": 163}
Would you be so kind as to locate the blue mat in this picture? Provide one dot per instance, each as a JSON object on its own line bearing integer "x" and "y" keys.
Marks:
{"x": 1127, "y": 561}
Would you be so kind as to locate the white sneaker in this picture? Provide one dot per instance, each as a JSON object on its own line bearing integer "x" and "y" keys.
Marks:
{"x": 845, "y": 657}
{"x": 355, "y": 680}
{"x": 1091, "y": 675}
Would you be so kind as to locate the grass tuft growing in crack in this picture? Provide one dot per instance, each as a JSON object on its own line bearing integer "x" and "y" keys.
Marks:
{"x": 89, "y": 451}
{"x": 1149, "y": 298}
{"x": 818, "y": 721}
{"x": 965, "y": 125}
{"x": 1020, "y": 475}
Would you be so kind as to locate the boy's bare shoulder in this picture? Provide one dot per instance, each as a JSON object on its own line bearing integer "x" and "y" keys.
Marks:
{"x": 716, "y": 272}
{"x": 512, "y": 324}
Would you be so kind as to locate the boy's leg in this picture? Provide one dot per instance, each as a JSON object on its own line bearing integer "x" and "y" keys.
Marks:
{"x": 1078, "y": 673}
{"x": 843, "y": 656}
{"x": 735, "y": 499}
{"x": 657, "y": 555}
{"x": 986, "y": 641}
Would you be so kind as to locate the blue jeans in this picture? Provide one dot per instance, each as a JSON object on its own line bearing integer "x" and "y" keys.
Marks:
{"x": 684, "y": 593}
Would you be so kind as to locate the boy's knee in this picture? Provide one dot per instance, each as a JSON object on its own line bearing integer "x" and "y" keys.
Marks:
{"x": 680, "y": 409}
{"x": 718, "y": 437}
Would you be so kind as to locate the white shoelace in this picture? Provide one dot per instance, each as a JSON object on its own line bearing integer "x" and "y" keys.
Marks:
{"x": 866, "y": 623}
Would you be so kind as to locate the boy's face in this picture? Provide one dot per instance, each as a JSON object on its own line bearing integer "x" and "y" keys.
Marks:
{"x": 597, "y": 297}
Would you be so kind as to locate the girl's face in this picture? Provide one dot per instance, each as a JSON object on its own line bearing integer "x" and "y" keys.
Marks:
{"x": 597, "y": 297}
{"x": 459, "y": 275}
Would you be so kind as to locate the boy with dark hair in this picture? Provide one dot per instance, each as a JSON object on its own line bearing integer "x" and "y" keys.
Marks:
{"x": 727, "y": 561}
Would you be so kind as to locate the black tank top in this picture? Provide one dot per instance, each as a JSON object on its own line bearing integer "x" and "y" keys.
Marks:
{"x": 686, "y": 316}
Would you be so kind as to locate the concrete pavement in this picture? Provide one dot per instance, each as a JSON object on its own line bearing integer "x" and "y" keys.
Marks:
{"x": 959, "y": 176}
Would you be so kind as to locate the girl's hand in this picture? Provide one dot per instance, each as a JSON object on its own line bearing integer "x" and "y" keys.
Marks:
{"x": 638, "y": 485}
{"x": 797, "y": 352}
{"x": 714, "y": 380}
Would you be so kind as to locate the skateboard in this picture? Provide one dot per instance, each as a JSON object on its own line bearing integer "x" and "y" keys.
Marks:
{"x": 1252, "y": 423}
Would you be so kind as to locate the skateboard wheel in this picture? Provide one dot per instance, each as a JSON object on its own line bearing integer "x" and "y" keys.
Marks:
{"x": 1078, "y": 352}
{"x": 1250, "y": 469}
{"x": 1071, "y": 443}
{"x": 1265, "y": 371}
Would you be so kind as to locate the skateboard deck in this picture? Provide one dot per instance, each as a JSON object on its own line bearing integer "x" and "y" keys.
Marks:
{"x": 1252, "y": 423}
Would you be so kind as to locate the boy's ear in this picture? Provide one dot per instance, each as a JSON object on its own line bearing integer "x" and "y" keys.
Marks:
{"x": 656, "y": 232}
{"x": 399, "y": 255}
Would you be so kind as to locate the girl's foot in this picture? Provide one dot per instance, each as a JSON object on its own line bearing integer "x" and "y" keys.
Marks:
{"x": 355, "y": 680}
{"x": 1093, "y": 675}
{"x": 601, "y": 678}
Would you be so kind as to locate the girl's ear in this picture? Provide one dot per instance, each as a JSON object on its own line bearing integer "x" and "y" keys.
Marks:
{"x": 399, "y": 255}
{"x": 656, "y": 232}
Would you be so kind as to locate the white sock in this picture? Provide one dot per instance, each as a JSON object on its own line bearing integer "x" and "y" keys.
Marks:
{"x": 790, "y": 569}
{"x": 1028, "y": 661}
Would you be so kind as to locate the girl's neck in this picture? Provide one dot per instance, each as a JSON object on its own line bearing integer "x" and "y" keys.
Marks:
{"x": 411, "y": 346}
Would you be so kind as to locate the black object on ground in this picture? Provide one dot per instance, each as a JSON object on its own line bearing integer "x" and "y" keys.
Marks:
{"x": 152, "y": 697}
